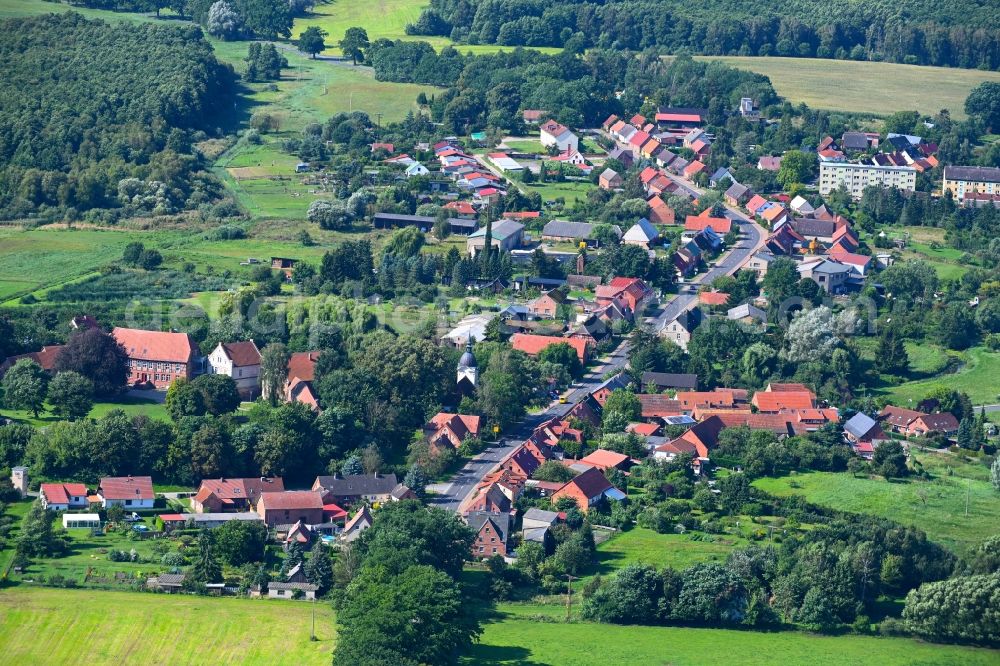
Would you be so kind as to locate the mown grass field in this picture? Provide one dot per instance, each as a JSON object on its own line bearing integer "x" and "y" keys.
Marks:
{"x": 936, "y": 506}
{"x": 865, "y": 87}
{"x": 131, "y": 406}
{"x": 520, "y": 638}
{"x": 569, "y": 190}
{"x": 52, "y": 626}
{"x": 645, "y": 546}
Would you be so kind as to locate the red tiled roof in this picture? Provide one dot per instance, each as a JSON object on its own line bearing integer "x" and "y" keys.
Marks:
{"x": 756, "y": 201}
{"x": 899, "y": 416}
{"x": 795, "y": 387}
{"x": 655, "y": 405}
{"x": 462, "y": 207}
{"x": 229, "y": 489}
{"x": 638, "y": 139}
{"x": 155, "y": 345}
{"x": 644, "y": 429}
{"x": 693, "y": 168}
{"x": 303, "y": 365}
{"x": 713, "y": 297}
{"x": 691, "y": 399}
{"x": 773, "y": 213}
{"x": 533, "y": 344}
{"x": 591, "y": 483}
{"x": 460, "y": 424}
{"x": 242, "y": 354}
{"x": 59, "y": 493}
{"x": 720, "y": 225}
{"x": 126, "y": 487}
{"x": 678, "y": 117}
{"x": 604, "y": 459}
{"x": 45, "y": 358}
{"x": 293, "y": 499}
{"x": 776, "y": 401}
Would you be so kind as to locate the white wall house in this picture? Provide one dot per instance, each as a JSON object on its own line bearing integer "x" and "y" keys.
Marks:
{"x": 552, "y": 133}
{"x": 241, "y": 361}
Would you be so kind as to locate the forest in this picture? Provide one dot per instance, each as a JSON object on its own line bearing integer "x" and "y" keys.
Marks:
{"x": 577, "y": 90}
{"x": 957, "y": 34}
{"x": 66, "y": 150}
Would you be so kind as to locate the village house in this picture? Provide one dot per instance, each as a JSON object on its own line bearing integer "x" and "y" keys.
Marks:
{"x": 532, "y": 345}
{"x": 284, "y": 590}
{"x": 552, "y": 133}
{"x": 720, "y": 225}
{"x": 587, "y": 489}
{"x": 864, "y": 434}
{"x": 450, "y": 430}
{"x": 609, "y": 180}
{"x": 157, "y": 358}
{"x": 63, "y": 496}
{"x": 360, "y": 522}
{"x": 356, "y": 488}
{"x": 680, "y": 328}
{"x": 46, "y": 358}
{"x": 642, "y": 233}
{"x": 535, "y": 525}
{"x": 290, "y": 506}
{"x": 492, "y": 532}
{"x": 493, "y": 500}
{"x": 241, "y": 361}
{"x": 604, "y": 460}
{"x": 633, "y": 292}
{"x": 299, "y": 381}
{"x": 231, "y": 495}
{"x": 547, "y": 305}
{"x": 131, "y": 492}
{"x": 917, "y": 424}
{"x": 563, "y": 230}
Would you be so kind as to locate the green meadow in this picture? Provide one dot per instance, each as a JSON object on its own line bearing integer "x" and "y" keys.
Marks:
{"x": 530, "y": 635}
{"x": 53, "y": 626}
{"x": 937, "y": 505}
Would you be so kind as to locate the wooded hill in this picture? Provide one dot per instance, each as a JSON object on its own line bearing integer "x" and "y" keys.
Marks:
{"x": 962, "y": 33}
{"x": 95, "y": 115}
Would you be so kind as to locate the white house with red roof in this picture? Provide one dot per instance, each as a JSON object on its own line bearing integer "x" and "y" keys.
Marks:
{"x": 156, "y": 357}
{"x": 131, "y": 492}
{"x": 241, "y": 361}
{"x": 552, "y": 133}
{"x": 63, "y": 496}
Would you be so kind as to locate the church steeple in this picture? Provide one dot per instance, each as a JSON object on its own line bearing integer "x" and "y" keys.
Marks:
{"x": 468, "y": 373}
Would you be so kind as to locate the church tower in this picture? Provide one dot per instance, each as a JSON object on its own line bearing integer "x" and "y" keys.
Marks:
{"x": 468, "y": 373}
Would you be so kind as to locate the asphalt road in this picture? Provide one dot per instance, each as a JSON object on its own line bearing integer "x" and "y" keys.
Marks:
{"x": 452, "y": 495}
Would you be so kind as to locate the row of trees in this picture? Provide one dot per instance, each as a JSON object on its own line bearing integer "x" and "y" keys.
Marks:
{"x": 962, "y": 34}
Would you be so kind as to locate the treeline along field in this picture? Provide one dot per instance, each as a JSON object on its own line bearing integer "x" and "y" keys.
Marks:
{"x": 100, "y": 116}
{"x": 962, "y": 33}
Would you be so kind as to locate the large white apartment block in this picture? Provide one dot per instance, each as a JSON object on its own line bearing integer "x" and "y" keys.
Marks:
{"x": 856, "y": 177}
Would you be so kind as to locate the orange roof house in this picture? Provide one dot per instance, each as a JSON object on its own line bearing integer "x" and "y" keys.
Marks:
{"x": 694, "y": 168}
{"x": 713, "y": 298}
{"x": 446, "y": 429}
{"x": 587, "y": 489}
{"x": 604, "y": 459}
{"x": 720, "y": 225}
{"x": 532, "y": 345}
{"x": 63, "y": 496}
{"x": 772, "y": 402}
{"x": 222, "y": 495}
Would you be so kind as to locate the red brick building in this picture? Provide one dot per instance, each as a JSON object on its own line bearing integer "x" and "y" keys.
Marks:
{"x": 155, "y": 357}
{"x": 287, "y": 508}
{"x": 492, "y": 531}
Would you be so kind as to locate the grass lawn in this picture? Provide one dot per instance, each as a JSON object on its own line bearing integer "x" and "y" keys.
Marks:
{"x": 526, "y": 146}
{"x": 977, "y": 376}
{"x": 130, "y": 405}
{"x": 520, "y": 638}
{"x": 58, "y": 626}
{"x": 641, "y": 545}
{"x": 865, "y": 87}
{"x": 936, "y": 506}
{"x": 569, "y": 190}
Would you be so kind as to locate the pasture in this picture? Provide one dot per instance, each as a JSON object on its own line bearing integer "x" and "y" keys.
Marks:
{"x": 878, "y": 88}
{"x": 976, "y": 374}
{"x": 936, "y": 506}
{"x": 37, "y": 258}
{"x": 46, "y": 626}
{"x": 130, "y": 405}
{"x": 535, "y": 636}
{"x": 645, "y": 546}
{"x": 382, "y": 19}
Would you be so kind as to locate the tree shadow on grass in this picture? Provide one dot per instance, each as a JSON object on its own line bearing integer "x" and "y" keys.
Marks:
{"x": 501, "y": 655}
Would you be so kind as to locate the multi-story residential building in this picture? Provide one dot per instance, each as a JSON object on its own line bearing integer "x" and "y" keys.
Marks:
{"x": 856, "y": 177}
{"x": 241, "y": 361}
{"x": 964, "y": 180}
{"x": 155, "y": 357}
